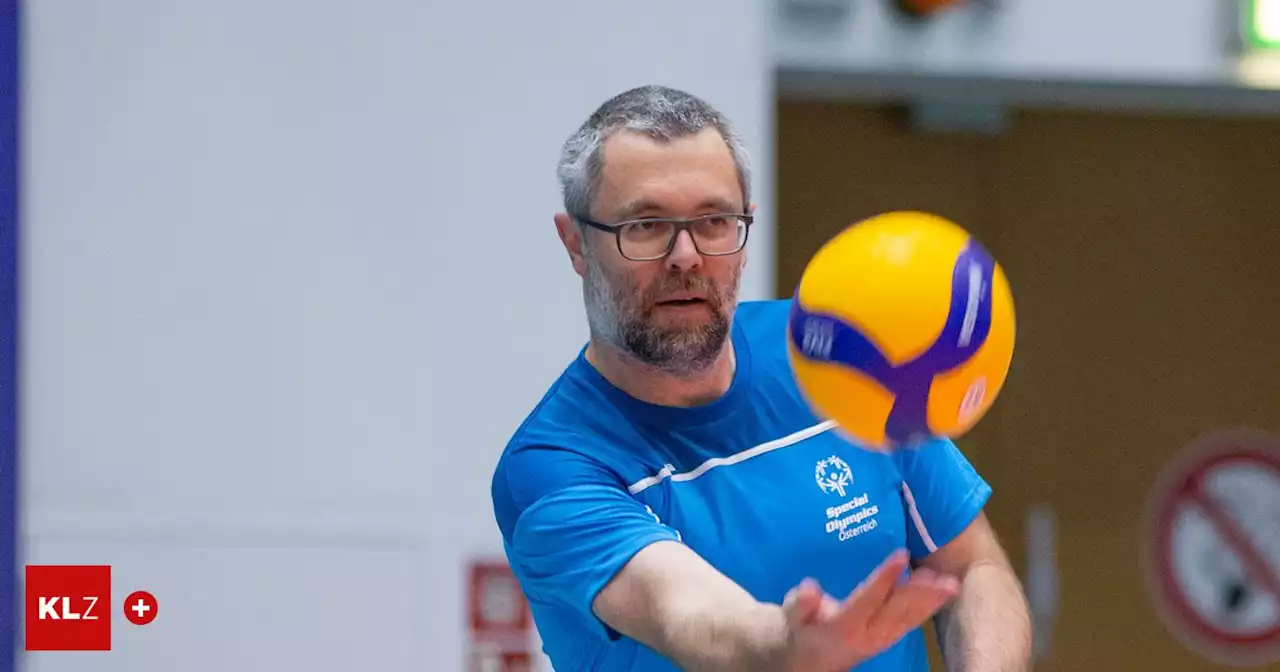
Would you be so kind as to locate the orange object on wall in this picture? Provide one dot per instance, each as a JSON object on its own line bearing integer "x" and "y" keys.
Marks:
{"x": 925, "y": 7}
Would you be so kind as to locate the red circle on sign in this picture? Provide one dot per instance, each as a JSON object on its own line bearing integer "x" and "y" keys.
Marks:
{"x": 140, "y": 607}
{"x": 1182, "y": 488}
{"x": 497, "y": 605}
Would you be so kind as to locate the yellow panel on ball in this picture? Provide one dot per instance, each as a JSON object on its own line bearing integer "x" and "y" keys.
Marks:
{"x": 860, "y": 404}
{"x": 873, "y": 270}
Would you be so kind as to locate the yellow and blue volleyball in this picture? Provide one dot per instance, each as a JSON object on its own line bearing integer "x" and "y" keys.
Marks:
{"x": 902, "y": 330}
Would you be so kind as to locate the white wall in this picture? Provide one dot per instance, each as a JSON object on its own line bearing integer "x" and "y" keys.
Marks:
{"x": 290, "y": 280}
{"x": 1133, "y": 41}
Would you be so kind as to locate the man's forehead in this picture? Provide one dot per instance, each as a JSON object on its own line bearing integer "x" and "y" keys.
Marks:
{"x": 643, "y": 204}
{"x": 630, "y": 145}
{"x": 642, "y": 173}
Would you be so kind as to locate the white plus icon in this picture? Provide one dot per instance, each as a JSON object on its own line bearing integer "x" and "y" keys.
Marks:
{"x": 141, "y": 608}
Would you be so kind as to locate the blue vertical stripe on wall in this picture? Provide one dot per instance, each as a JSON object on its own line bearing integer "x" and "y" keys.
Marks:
{"x": 9, "y": 105}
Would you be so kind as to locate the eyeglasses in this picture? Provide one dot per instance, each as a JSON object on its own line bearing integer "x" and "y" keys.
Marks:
{"x": 714, "y": 235}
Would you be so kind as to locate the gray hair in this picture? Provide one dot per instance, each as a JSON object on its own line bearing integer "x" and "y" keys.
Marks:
{"x": 661, "y": 113}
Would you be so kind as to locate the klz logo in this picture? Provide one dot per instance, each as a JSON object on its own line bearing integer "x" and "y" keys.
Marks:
{"x": 49, "y": 609}
{"x": 68, "y": 608}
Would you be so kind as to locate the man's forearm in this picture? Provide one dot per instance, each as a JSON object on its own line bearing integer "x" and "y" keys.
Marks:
{"x": 988, "y": 627}
{"x": 746, "y": 640}
{"x": 674, "y": 602}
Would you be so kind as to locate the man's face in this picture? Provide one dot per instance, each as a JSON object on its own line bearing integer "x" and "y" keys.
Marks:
{"x": 673, "y": 313}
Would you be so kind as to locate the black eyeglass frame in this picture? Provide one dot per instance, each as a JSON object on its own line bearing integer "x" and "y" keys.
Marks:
{"x": 681, "y": 224}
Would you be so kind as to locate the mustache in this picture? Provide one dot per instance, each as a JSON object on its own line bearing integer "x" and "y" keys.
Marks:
{"x": 672, "y": 284}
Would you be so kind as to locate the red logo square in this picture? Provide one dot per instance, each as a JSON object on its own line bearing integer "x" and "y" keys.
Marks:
{"x": 68, "y": 608}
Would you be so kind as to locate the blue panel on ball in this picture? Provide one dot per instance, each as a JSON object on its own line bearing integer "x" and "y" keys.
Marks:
{"x": 827, "y": 338}
{"x": 824, "y": 337}
{"x": 969, "y": 321}
{"x": 966, "y": 329}
{"x": 909, "y": 419}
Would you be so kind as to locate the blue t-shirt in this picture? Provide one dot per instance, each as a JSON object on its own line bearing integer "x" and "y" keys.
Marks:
{"x": 753, "y": 482}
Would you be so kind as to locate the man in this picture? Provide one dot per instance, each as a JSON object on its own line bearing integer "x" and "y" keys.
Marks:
{"x": 660, "y": 505}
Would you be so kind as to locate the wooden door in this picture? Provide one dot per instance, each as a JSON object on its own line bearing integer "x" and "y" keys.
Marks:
{"x": 1144, "y": 256}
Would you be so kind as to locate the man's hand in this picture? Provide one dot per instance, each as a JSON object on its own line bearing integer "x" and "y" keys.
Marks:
{"x": 670, "y": 599}
{"x": 829, "y": 635}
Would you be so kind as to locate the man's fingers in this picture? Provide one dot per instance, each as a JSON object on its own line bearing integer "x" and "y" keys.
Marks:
{"x": 910, "y": 605}
{"x": 804, "y": 601}
{"x": 868, "y": 597}
{"x": 830, "y": 607}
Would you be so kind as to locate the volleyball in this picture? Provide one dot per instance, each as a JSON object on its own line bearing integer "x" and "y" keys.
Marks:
{"x": 901, "y": 330}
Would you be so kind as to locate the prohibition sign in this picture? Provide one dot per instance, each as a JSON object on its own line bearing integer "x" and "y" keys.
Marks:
{"x": 1213, "y": 547}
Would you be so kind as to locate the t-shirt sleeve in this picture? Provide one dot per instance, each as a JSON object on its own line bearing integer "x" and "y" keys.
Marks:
{"x": 569, "y": 526}
{"x": 942, "y": 493}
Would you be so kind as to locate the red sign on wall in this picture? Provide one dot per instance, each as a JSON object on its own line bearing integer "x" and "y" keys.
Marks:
{"x": 500, "y": 626}
{"x": 1212, "y": 555}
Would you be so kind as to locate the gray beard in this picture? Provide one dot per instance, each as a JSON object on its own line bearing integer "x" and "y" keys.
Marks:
{"x": 615, "y": 317}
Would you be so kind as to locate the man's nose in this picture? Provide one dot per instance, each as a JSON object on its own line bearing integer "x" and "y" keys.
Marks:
{"x": 684, "y": 254}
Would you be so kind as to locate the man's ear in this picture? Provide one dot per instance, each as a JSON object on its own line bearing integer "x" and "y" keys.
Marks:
{"x": 571, "y": 237}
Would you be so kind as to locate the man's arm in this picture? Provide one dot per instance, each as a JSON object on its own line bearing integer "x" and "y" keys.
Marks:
{"x": 670, "y": 599}
{"x": 988, "y": 626}
{"x": 579, "y": 539}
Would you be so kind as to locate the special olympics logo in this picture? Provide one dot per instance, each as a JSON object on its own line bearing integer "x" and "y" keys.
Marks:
{"x": 833, "y": 475}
